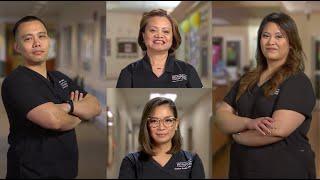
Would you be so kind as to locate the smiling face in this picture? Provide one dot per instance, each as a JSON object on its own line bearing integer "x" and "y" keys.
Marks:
{"x": 274, "y": 43}
{"x": 164, "y": 129}
{"x": 32, "y": 42}
{"x": 158, "y": 34}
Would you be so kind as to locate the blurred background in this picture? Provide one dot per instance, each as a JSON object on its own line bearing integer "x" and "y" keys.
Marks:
{"x": 124, "y": 113}
{"x": 234, "y": 42}
{"x": 78, "y": 35}
{"x": 193, "y": 17}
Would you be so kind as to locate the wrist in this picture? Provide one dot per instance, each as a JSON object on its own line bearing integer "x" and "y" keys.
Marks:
{"x": 71, "y": 106}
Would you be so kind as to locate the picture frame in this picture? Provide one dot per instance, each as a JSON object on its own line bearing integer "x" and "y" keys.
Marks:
{"x": 127, "y": 48}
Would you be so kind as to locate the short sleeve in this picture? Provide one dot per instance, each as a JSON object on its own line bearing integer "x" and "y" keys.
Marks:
{"x": 22, "y": 96}
{"x": 296, "y": 94}
{"x": 127, "y": 169}
{"x": 125, "y": 78}
{"x": 197, "y": 171}
{"x": 230, "y": 98}
{"x": 193, "y": 78}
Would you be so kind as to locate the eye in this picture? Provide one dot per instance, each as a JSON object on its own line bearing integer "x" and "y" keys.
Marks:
{"x": 27, "y": 39}
{"x": 42, "y": 36}
{"x": 152, "y": 30}
{"x": 279, "y": 36}
{"x": 166, "y": 32}
{"x": 265, "y": 35}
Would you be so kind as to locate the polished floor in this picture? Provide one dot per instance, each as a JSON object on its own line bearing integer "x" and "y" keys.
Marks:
{"x": 92, "y": 148}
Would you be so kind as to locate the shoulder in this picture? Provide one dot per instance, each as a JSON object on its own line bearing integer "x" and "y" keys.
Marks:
{"x": 17, "y": 77}
{"x": 133, "y": 66}
{"x": 299, "y": 79}
{"x": 135, "y": 156}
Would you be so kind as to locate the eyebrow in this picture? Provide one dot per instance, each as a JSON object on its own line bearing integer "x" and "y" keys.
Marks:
{"x": 166, "y": 27}
{"x": 25, "y": 35}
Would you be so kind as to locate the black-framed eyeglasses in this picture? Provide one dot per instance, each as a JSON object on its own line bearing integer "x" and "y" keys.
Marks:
{"x": 154, "y": 122}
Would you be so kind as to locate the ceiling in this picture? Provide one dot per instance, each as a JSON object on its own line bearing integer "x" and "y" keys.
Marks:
{"x": 242, "y": 12}
{"x": 141, "y": 5}
{"x": 11, "y": 10}
{"x": 136, "y": 99}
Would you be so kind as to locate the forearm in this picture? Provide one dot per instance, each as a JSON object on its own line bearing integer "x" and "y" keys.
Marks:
{"x": 66, "y": 121}
{"x": 254, "y": 138}
{"x": 87, "y": 108}
{"x": 230, "y": 123}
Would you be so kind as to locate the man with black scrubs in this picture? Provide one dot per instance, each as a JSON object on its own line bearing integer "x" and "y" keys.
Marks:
{"x": 43, "y": 109}
{"x": 177, "y": 74}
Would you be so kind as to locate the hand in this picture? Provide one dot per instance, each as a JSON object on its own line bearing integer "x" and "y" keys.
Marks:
{"x": 262, "y": 125}
{"x": 76, "y": 96}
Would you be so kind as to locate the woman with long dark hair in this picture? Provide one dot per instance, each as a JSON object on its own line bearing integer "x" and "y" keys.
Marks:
{"x": 269, "y": 110}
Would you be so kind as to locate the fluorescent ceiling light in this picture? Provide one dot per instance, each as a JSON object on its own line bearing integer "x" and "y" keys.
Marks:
{"x": 171, "y": 96}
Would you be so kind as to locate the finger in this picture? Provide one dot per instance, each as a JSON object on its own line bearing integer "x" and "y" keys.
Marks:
{"x": 72, "y": 96}
{"x": 267, "y": 123}
{"x": 80, "y": 96}
{"x": 76, "y": 96}
{"x": 264, "y": 129}
{"x": 269, "y": 119}
{"x": 260, "y": 130}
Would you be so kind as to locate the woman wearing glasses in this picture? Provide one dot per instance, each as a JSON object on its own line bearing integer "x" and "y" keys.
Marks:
{"x": 160, "y": 154}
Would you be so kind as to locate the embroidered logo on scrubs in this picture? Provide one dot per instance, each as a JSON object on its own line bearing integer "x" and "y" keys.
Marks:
{"x": 63, "y": 83}
{"x": 276, "y": 92}
{"x": 179, "y": 77}
{"x": 184, "y": 165}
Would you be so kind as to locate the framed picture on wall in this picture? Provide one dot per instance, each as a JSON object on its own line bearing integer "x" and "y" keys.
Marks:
{"x": 233, "y": 52}
{"x": 127, "y": 48}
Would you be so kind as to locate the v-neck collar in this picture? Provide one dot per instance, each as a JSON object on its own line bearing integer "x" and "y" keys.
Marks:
{"x": 168, "y": 66}
{"x": 167, "y": 163}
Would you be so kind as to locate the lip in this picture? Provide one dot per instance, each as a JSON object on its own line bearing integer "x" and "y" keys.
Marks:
{"x": 271, "y": 49}
{"x": 157, "y": 41}
{"x": 37, "y": 52}
{"x": 162, "y": 135}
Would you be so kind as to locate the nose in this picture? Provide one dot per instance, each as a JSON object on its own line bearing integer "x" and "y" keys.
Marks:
{"x": 271, "y": 40}
{"x": 158, "y": 34}
{"x": 161, "y": 125}
{"x": 36, "y": 42}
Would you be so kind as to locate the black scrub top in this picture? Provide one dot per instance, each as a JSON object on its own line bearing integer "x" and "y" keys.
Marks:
{"x": 145, "y": 167}
{"x": 291, "y": 157}
{"x": 36, "y": 152}
{"x": 177, "y": 74}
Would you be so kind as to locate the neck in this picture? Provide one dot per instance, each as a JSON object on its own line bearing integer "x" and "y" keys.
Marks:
{"x": 157, "y": 58}
{"x": 39, "y": 68}
{"x": 162, "y": 149}
{"x": 273, "y": 66}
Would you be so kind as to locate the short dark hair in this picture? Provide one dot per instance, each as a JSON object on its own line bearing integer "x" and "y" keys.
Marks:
{"x": 176, "y": 40}
{"x": 145, "y": 140}
{"x": 26, "y": 19}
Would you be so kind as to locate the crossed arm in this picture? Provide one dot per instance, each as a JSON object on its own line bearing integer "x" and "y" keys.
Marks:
{"x": 56, "y": 117}
{"x": 260, "y": 131}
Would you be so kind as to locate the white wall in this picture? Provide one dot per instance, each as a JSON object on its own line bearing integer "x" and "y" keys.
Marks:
{"x": 120, "y": 25}
{"x": 198, "y": 117}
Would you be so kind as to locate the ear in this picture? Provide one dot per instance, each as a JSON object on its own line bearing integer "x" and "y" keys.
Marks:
{"x": 17, "y": 47}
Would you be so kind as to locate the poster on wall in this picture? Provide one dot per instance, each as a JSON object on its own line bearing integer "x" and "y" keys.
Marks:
{"x": 127, "y": 48}
{"x": 85, "y": 45}
{"x": 216, "y": 50}
{"x": 317, "y": 55}
{"x": 233, "y": 53}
